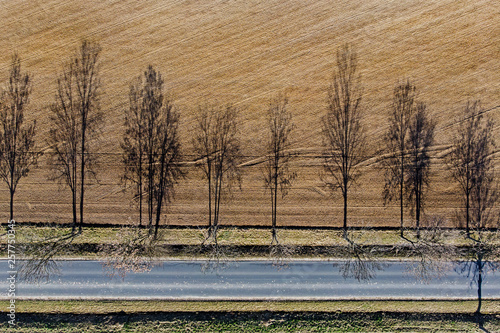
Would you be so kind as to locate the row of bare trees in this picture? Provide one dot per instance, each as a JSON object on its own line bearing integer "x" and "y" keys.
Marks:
{"x": 152, "y": 153}
{"x": 76, "y": 118}
{"x": 408, "y": 140}
{"x": 153, "y": 163}
{"x": 407, "y": 163}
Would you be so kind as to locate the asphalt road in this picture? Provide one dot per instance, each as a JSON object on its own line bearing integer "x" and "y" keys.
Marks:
{"x": 249, "y": 280}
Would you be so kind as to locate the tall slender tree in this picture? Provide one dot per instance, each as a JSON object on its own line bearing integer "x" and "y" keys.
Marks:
{"x": 17, "y": 138}
{"x": 396, "y": 165}
{"x": 151, "y": 145}
{"x": 76, "y": 116}
{"x": 277, "y": 174}
{"x": 217, "y": 147}
{"x": 134, "y": 143}
{"x": 471, "y": 165}
{"x": 343, "y": 136}
{"x": 421, "y": 138}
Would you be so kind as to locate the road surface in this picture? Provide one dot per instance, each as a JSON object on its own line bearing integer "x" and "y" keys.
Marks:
{"x": 248, "y": 280}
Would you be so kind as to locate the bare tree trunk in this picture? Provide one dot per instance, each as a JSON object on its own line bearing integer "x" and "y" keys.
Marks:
{"x": 216, "y": 203}
{"x": 11, "y": 205}
{"x": 158, "y": 213}
{"x": 209, "y": 197}
{"x": 417, "y": 209}
{"x": 217, "y": 209}
{"x": 140, "y": 186}
{"x": 273, "y": 213}
{"x": 82, "y": 176}
{"x": 275, "y": 202}
{"x": 345, "y": 213}
{"x": 12, "y": 189}
{"x": 150, "y": 181}
{"x": 159, "y": 197}
{"x": 73, "y": 229}
{"x": 467, "y": 213}
{"x": 401, "y": 187}
{"x": 479, "y": 281}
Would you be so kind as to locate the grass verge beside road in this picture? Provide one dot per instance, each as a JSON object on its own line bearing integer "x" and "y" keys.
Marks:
{"x": 341, "y": 316}
{"x": 238, "y": 243}
{"x": 106, "y": 307}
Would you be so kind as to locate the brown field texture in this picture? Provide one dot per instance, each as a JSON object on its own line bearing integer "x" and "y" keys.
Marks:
{"x": 244, "y": 52}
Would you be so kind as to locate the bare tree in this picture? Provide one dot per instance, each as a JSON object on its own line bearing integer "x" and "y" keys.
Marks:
{"x": 151, "y": 145}
{"x": 17, "y": 139}
{"x": 217, "y": 147}
{"x": 76, "y": 118}
{"x": 134, "y": 143}
{"x": 471, "y": 165}
{"x": 342, "y": 131}
{"x": 421, "y": 138}
{"x": 403, "y": 107}
{"x": 277, "y": 175}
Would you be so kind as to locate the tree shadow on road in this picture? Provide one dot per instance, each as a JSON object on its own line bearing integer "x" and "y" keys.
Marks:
{"x": 361, "y": 262}
{"x": 38, "y": 255}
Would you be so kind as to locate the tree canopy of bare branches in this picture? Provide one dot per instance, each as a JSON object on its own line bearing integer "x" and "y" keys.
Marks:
{"x": 152, "y": 151}
{"x": 471, "y": 165}
{"x": 76, "y": 119}
{"x": 217, "y": 147}
{"x": 17, "y": 139}
{"x": 343, "y": 136}
{"x": 277, "y": 174}
{"x": 421, "y": 138}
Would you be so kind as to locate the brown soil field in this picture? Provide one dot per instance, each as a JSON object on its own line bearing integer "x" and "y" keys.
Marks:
{"x": 244, "y": 52}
